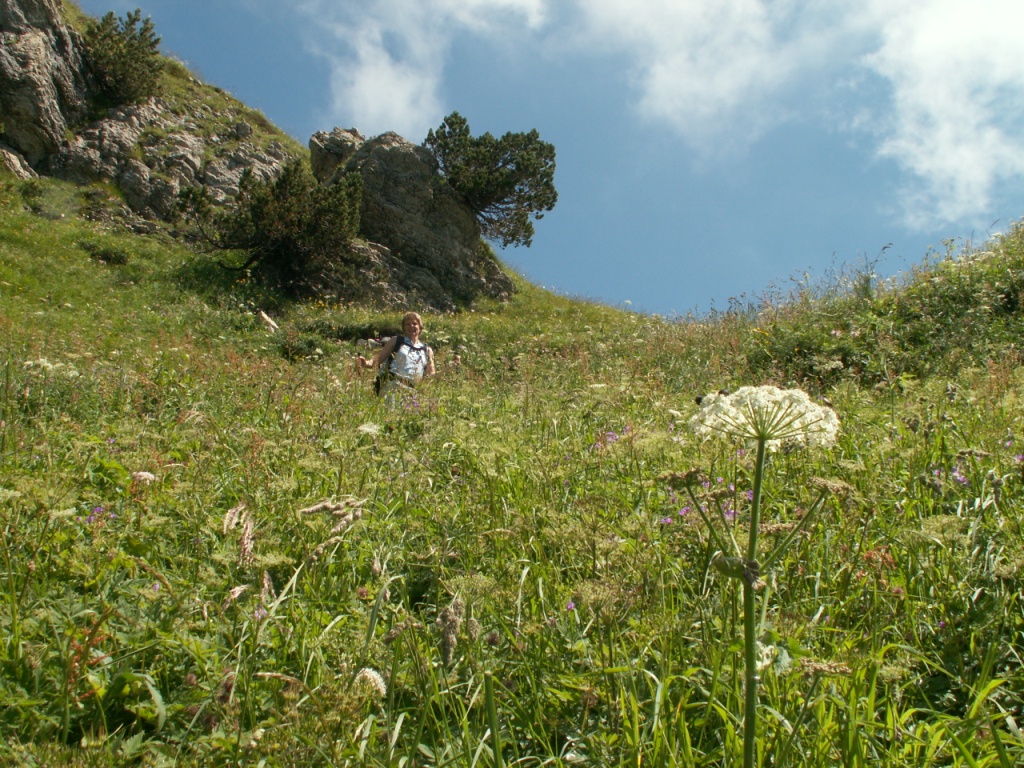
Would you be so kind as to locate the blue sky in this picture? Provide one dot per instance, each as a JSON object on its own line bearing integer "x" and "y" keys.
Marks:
{"x": 706, "y": 150}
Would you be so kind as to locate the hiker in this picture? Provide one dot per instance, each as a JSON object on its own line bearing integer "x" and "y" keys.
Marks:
{"x": 404, "y": 360}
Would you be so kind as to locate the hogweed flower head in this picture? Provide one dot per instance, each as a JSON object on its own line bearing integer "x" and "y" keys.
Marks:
{"x": 775, "y": 416}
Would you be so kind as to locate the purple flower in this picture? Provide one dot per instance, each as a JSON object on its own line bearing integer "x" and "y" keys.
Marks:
{"x": 666, "y": 521}
{"x": 1019, "y": 458}
{"x": 570, "y": 606}
{"x": 156, "y": 586}
{"x": 959, "y": 476}
{"x": 684, "y": 511}
{"x": 750, "y": 495}
{"x": 942, "y": 625}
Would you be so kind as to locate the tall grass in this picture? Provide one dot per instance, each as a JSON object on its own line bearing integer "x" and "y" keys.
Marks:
{"x": 500, "y": 550}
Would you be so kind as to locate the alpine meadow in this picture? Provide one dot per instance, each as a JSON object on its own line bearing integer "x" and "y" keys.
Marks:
{"x": 788, "y": 533}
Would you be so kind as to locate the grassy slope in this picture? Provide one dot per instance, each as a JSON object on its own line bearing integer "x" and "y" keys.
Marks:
{"x": 518, "y": 483}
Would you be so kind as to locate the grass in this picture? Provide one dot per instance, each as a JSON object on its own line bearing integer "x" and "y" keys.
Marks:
{"x": 501, "y": 550}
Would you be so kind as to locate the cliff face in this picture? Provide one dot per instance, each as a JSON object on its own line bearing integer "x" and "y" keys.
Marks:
{"x": 42, "y": 86}
{"x": 422, "y": 246}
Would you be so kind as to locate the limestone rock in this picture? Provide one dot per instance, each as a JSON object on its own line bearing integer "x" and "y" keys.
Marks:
{"x": 434, "y": 249}
{"x": 42, "y": 85}
{"x": 223, "y": 174}
{"x": 15, "y": 163}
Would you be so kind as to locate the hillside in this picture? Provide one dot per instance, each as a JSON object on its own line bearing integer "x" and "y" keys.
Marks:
{"x": 220, "y": 549}
{"x": 174, "y": 589}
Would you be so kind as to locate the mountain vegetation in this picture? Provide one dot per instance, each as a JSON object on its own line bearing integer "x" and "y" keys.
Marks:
{"x": 297, "y": 233}
{"x": 219, "y": 548}
{"x": 123, "y": 56}
{"x": 506, "y": 181}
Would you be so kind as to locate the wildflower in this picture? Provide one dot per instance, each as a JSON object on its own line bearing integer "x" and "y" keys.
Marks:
{"x": 450, "y": 621}
{"x": 245, "y": 545}
{"x": 570, "y": 606}
{"x": 144, "y": 478}
{"x": 369, "y": 428}
{"x": 231, "y": 517}
{"x": 680, "y": 480}
{"x": 815, "y": 667}
{"x": 370, "y": 681}
{"x": 767, "y": 413}
{"x": 267, "y": 595}
{"x": 235, "y": 593}
{"x": 666, "y": 521}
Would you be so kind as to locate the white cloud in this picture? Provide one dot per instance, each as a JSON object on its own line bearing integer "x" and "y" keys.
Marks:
{"x": 957, "y": 81}
{"x": 722, "y": 74}
{"x": 718, "y": 72}
{"x": 388, "y": 56}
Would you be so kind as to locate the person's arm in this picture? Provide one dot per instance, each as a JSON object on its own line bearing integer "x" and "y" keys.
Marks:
{"x": 380, "y": 355}
{"x": 428, "y": 369}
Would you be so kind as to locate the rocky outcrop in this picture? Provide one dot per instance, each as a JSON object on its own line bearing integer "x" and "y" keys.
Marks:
{"x": 148, "y": 150}
{"x": 151, "y": 154}
{"x": 42, "y": 85}
{"x": 434, "y": 250}
{"x": 15, "y": 163}
{"x": 422, "y": 243}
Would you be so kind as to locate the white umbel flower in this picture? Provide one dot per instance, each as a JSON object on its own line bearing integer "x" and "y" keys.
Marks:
{"x": 370, "y": 681}
{"x": 776, "y": 416}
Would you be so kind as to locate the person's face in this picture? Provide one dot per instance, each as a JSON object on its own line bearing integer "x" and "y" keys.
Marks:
{"x": 412, "y": 327}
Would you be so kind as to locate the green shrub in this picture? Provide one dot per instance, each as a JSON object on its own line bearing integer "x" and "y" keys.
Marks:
{"x": 123, "y": 58}
{"x": 504, "y": 181}
{"x": 296, "y": 231}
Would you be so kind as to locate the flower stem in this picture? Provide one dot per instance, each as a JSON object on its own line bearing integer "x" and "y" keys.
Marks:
{"x": 750, "y": 621}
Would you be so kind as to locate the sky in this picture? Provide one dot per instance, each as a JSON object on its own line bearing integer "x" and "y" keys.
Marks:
{"x": 708, "y": 152}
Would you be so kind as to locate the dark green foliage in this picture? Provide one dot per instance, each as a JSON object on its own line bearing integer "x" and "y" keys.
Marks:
{"x": 297, "y": 231}
{"x": 123, "y": 57}
{"x": 505, "y": 181}
{"x": 105, "y": 253}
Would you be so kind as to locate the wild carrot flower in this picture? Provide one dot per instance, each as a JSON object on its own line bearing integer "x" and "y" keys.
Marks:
{"x": 767, "y": 413}
{"x": 370, "y": 681}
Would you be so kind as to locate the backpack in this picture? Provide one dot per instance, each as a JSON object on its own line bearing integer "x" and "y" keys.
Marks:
{"x": 384, "y": 371}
